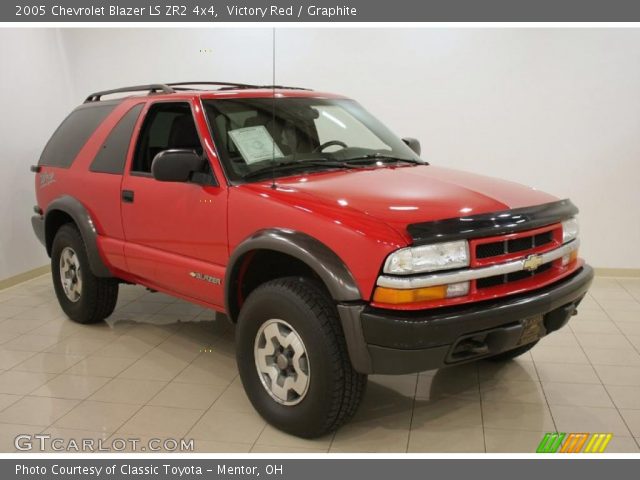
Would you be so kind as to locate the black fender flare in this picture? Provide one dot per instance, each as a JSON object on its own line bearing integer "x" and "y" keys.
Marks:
{"x": 81, "y": 217}
{"x": 320, "y": 258}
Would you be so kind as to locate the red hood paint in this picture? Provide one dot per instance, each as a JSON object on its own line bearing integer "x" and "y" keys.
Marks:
{"x": 400, "y": 196}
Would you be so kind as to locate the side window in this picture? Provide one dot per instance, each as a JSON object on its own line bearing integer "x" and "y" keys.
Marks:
{"x": 72, "y": 134}
{"x": 112, "y": 156}
{"x": 167, "y": 126}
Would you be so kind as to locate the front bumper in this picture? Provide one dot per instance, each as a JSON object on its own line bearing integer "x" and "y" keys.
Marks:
{"x": 395, "y": 342}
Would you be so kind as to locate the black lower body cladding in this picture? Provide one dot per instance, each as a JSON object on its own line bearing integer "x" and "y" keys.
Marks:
{"x": 37, "y": 222}
{"x": 392, "y": 342}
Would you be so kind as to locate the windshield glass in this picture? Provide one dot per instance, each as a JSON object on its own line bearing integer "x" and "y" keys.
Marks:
{"x": 252, "y": 135}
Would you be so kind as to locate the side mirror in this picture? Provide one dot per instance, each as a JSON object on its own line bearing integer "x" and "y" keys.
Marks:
{"x": 176, "y": 165}
{"x": 413, "y": 144}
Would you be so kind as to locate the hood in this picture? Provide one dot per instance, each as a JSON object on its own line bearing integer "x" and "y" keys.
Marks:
{"x": 403, "y": 195}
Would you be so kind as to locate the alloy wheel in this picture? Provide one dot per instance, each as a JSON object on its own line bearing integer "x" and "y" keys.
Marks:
{"x": 70, "y": 274}
{"x": 282, "y": 362}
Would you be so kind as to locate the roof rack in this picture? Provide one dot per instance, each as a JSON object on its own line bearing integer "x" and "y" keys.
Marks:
{"x": 151, "y": 88}
{"x": 175, "y": 86}
{"x": 284, "y": 87}
{"x": 217, "y": 84}
{"x": 232, "y": 85}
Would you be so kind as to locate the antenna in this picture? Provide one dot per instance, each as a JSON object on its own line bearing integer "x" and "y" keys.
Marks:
{"x": 273, "y": 110}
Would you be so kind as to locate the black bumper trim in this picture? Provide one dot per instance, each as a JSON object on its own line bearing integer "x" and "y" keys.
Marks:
{"x": 417, "y": 330}
{"x": 394, "y": 342}
{"x": 37, "y": 221}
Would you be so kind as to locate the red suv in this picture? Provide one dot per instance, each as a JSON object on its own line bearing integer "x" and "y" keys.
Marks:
{"x": 332, "y": 246}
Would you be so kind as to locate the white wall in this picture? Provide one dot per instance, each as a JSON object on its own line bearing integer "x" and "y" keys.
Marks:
{"x": 107, "y": 58}
{"x": 558, "y": 109}
{"x": 34, "y": 97}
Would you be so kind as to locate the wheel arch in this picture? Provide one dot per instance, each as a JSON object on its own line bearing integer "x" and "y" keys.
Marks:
{"x": 307, "y": 252}
{"x": 67, "y": 209}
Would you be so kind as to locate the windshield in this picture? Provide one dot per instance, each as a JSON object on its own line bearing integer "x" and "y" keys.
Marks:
{"x": 259, "y": 137}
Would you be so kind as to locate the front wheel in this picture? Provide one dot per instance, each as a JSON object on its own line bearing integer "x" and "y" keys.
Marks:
{"x": 84, "y": 297}
{"x": 293, "y": 359}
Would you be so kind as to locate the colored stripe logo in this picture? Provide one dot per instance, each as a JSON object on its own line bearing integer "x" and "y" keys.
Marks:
{"x": 557, "y": 442}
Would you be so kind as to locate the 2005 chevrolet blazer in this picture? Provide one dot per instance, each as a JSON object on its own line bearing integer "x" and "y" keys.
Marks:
{"x": 325, "y": 238}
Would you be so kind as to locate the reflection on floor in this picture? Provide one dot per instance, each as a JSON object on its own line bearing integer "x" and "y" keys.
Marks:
{"x": 165, "y": 369}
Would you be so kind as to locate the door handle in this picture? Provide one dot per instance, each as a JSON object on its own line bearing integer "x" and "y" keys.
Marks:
{"x": 127, "y": 196}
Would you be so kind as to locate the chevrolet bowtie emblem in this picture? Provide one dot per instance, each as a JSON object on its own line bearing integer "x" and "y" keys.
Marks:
{"x": 532, "y": 262}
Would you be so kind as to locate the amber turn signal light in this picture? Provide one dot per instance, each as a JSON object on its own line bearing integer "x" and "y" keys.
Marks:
{"x": 570, "y": 258}
{"x": 573, "y": 256}
{"x": 394, "y": 296}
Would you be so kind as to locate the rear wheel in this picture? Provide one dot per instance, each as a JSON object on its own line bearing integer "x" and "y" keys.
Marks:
{"x": 511, "y": 354}
{"x": 293, "y": 360}
{"x": 84, "y": 297}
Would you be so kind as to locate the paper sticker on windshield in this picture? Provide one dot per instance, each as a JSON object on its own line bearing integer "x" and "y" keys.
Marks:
{"x": 255, "y": 144}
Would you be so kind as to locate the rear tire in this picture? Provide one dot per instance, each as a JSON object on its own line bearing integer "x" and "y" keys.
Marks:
{"x": 511, "y": 354}
{"x": 316, "y": 390}
{"x": 84, "y": 297}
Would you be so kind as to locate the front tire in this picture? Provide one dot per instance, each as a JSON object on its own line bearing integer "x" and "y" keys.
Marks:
{"x": 293, "y": 359}
{"x": 84, "y": 297}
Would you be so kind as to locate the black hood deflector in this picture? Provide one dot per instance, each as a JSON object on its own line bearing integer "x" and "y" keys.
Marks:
{"x": 489, "y": 224}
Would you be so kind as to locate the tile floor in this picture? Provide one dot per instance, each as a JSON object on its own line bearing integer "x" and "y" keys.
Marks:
{"x": 154, "y": 372}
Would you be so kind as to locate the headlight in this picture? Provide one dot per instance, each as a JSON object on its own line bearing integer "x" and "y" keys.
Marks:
{"x": 570, "y": 230}
{"x": 427, "y": 258}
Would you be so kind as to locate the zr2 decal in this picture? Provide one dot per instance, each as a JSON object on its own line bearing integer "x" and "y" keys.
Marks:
{"x": 47, "y": 178}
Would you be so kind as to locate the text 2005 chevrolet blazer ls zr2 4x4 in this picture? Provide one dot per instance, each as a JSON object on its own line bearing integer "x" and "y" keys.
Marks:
{"x": 332, "y": 246}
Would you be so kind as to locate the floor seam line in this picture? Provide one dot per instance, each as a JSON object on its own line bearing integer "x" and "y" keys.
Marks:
{"x": 600, "y": 378}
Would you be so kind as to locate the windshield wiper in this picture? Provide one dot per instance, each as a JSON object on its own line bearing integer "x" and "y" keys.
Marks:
{"x": 283, "y": 166}
{"x": 377, "y": 157}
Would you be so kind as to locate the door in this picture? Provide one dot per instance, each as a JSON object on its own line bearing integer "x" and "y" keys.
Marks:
{"x": 175, "y": 232}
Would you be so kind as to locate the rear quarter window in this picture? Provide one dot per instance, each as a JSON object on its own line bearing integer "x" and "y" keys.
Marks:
{"x": 72, "y": 134}
{"x": 112, "y": 156}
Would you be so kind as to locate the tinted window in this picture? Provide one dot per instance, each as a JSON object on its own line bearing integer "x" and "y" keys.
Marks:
{"x": 112, "y": 156}
{"x": 167, "y": 126}
{"x": 72, "y": 134}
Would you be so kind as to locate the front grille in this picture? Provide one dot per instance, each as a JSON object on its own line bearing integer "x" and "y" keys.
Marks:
{"x": 511, "y": 277}
{"x": 487, "y": 250}
{"x": 504, "y": 247}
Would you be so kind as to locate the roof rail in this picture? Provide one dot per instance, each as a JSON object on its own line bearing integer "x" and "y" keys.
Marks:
{"x": 168, "y": 88}
{"x": 231, "y": 85}
{"x": 217, "y": 84}
{"x": 282, "y": 87}
{"x": 151, "y": 88}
